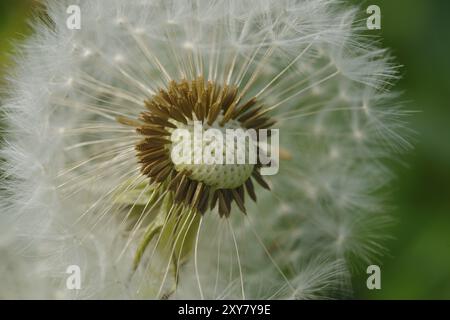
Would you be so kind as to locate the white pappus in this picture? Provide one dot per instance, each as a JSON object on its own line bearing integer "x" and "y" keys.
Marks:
{"x": 87, "y": 113}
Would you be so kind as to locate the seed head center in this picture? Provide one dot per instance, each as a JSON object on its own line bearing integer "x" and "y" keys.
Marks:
{"x": 212, "y": 154}
{"x": 207, "y": 180}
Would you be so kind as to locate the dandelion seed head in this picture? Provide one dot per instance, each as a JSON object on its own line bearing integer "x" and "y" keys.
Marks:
{"x": 86, "y": 157}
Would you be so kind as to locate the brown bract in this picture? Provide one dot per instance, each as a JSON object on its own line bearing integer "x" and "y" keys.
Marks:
{"x": 181, "y": 103}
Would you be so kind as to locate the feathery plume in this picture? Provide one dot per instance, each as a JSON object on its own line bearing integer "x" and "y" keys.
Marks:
{"x": 88, "y": 177}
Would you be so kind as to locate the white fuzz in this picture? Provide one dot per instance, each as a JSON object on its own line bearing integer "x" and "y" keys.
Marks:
{"x": 70, "y": 169}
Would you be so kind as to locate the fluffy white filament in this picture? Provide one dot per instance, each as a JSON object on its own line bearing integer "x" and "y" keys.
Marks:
{"x": 67, "y": 159}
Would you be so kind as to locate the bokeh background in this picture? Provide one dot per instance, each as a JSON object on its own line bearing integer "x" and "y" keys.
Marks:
{"x": 417, "y": 265}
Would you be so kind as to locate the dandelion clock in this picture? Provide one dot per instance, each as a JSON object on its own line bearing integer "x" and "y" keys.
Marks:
{"x": 89, "y": 180}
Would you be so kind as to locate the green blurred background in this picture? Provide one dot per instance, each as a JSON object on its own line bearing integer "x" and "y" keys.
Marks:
{"x": 418, "y": 32}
